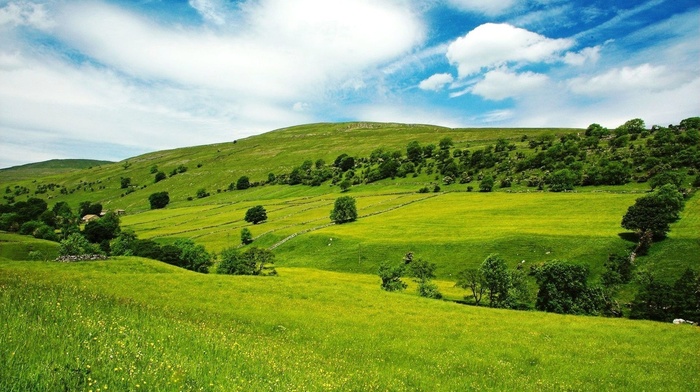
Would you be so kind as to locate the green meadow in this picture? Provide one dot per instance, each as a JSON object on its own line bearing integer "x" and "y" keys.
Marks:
{"x": 136, "y": 324}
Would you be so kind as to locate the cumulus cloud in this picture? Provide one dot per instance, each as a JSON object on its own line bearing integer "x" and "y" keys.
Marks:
{"x": 645, "y": 77}
{"x": 436, "y": 82}
{"x": 500, "y": 84}
{"x": 487, "y": 7}
{"x": 491, "y": 45}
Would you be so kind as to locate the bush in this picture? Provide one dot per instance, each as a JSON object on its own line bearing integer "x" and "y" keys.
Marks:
{"x": 486, "y": 184}
{"x": 159, "y": 200}
{"x": 77, "y": 245}
{"x": 160, "y": 176}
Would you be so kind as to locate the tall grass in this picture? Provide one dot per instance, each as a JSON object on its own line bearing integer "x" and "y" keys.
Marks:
{"x": 132, "y": 324}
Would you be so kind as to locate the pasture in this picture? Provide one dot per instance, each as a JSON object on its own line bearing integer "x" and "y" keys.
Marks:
{"x": 133, "y": 324}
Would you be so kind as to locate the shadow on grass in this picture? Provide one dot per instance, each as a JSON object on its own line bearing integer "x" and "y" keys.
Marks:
{"x": 629, "y": 237}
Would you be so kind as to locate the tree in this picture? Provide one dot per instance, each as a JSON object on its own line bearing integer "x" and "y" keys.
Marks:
{"x": 193, "y": 257}
{"x": 655, "y": 212}
{"x": 103, "y": 229}
{"x": 486, "y": 184}
{"x": 125, "y": 182}
{"x": 423, "y": 272}
{"x": 254, "y": 261}
{"x": 159, "y": 200}
{"x": 256, "y": 215}
{"x": 243, "y": 183}
{"x": 246, "y": 236}
{"x": 496, "y": 279}
{"x": 563, "y": 180}
{"x": 160, "y": 176}
{"x": 563, "y": 288}
{"x": 345, "y": 185}
{"x": 472, "y": 279}
{"x": 414, "y": 152}
{"x": 344, "y": 210}
{"x": 391, "y": 277}
{"x": 653, "y": 301}
{"x": 76, "y": 245}
{"x": 686, "y": 296}
{"x": 202, "y": 193}
{"x": 87, "y": 208}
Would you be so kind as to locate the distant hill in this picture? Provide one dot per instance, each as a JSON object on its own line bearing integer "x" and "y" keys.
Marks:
{"x": 47, "y": 168}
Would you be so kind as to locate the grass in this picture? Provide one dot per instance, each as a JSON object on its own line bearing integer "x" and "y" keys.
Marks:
{"x": 130, "y": 324}
{"x": 455, "y": 230}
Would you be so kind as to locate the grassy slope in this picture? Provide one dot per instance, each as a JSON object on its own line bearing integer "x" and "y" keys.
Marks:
{"x": 49, "y": 168}
{"x": 131, "y": 323}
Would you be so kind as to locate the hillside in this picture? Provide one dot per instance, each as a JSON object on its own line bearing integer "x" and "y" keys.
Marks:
{"x": 47, "y": 169}
{"x": 131, "y": 323}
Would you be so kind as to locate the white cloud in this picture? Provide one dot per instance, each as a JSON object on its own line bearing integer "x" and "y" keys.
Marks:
{"x": 501, "y": 83}
{"x": 629, "y": 80}
{"x": 211, "y": 10}
{"x": 491, "y": 45}
{"x": 436, "y": 82}
{"x": 25, "y": 13}
{"x": 591, "y": 54}
{"x": 487, "y": 7}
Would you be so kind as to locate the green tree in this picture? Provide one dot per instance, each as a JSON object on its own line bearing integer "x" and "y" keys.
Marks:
{"x": 655, "y": 212}
{"x": 193, "y": 257}
{"x": 124, "y": 244}
{"x": 160, "y": 176}
{"x": 666, "y": 177}
{"x": 77, "y": 245}
{"x": 246, "y": 236}
{"x": 391, "y": 277}
{"x": 472, "y": 279}
{"x": 563, "y": 288}
{"x": 159, "y": 200}
{"x": 256, "y": 215}
{"x": 486, "y": 184}
{"x": 563, "y": 180}
{"x": 653, "y": 301}
{"x": 202, "y": 193}
{"x": 125, "y": 182}
{"x": 345, "y": 185}
{"x": 243, "y": 183}
{"x": 254, "y": 261}
{"x": 423, "y": 272}
{"x": 344, "y": 210}
{"x": 103, "y": 229}
{"x": 496, "y": 278}
{"x": 686, "y": 296}
{"x": 414, "y": 152}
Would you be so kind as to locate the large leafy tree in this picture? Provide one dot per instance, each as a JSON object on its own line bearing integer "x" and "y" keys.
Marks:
{"x": 563, "y": 288}
{"x": 655, "y": 212}
{"x": 344, "y": 210}
{"x": 496, "y": 279}
{"x": 256, "y": 215}
{"x": 159, "y": 200}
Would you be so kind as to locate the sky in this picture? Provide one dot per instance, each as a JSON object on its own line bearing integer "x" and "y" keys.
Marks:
{"x": 115, "y": 79}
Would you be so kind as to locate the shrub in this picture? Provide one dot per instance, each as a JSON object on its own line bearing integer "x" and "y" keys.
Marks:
{"x": 254, "y": 261}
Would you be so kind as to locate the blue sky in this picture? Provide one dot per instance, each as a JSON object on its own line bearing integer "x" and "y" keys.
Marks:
{"x": 114, "y": 79}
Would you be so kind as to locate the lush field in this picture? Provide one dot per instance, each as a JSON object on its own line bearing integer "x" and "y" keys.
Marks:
{"x": 132, "y": 324}
{"x": 454, "y": 230}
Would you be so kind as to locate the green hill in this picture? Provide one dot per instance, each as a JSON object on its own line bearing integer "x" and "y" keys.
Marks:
{"x": 324, "y": 323}
{"x": 47, "y": 168}
{"x": 453, "y": 228}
